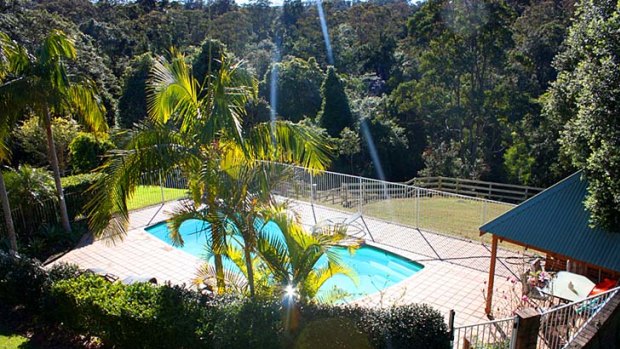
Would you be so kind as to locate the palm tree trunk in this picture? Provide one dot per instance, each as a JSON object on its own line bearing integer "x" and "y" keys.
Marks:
{"x": 219, "y": 273}
{"x": 6, "y": 209}
{"x": 64, "y": 216}
{"x": 250, "y": 269}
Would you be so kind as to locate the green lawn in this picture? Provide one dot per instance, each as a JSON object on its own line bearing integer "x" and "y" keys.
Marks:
{"x": 10, "y": 340}
{"x": 148, "y": 195}
{"x": 456, "y": 216}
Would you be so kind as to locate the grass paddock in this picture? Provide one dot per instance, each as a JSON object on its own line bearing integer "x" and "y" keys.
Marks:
{"x": 148, "y": 195}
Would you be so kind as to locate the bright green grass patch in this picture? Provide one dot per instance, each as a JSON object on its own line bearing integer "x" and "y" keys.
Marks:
{"x": 148, "y": 195}
{"x": 455, "y": 216}
{"x": 449, "y": 215}
{"x": 9, "y": 340}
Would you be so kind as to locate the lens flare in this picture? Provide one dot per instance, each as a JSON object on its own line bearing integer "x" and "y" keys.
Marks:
{"x": 273, "y": 95}
{"x": 328, "y": 45}
{"x": 289, "y": 291}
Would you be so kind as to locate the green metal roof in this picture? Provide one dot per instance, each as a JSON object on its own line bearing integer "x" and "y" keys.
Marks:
{"x": 556, "y": 220}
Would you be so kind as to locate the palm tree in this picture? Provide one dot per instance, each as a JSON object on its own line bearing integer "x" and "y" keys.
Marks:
{"x": 13, "y": 58}
{"x": 293, "y": 257}
{"x": 289, "y": 260}
{"x": 238, "y": 197}
{"x": 50, "y": 90}
{"x": 193, "y": 127}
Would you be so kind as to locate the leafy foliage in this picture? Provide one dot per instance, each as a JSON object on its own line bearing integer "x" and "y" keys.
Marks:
{"x": 87, "y": 152}
{"x": 298, "y": 88}
{"x": 29, "y": 186}
{"x": 148, "y": 316}
{"x": 75, "y": 186}
{"x": 335, "y": 112}
{"x": 132, "y": 102}
{"x": 462, "y": 73}
{"x": 31, "y": 138}
{"x": 585, "y": 95}
{"x": 22, "y": 282}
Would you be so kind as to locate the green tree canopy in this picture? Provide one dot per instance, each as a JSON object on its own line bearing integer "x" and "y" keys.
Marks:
{"x": 298, "y": 88}
{"x": 132, "y": 103}
{"x": 335, "y": 112}
{"x": 586, "y": 94}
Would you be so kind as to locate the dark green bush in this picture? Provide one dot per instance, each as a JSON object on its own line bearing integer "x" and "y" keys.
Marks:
{"x": 148, "y": 316}
{"x": 48, "y": 239}
{"x": 23, "y": 282}
{"x": 87, "y": 152}
{"x": 76, "y": 188}
{"x": 409, "y": 326}
{"x": 136, "y": 316}
{"x": 244, "y": 324}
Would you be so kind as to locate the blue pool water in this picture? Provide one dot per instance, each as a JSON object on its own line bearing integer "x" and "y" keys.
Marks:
{"x": 376, "y": 269}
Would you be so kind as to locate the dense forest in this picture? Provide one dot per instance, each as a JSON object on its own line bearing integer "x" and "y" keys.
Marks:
{"x": 489, "y": 89}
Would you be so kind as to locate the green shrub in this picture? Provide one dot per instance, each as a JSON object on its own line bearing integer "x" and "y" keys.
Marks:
{"x": 76, "y": 196}
{"x": 87, "y": 152}
{"x": 29, "y": 187}
{"x": 236, "y": 323}
{"x": 409, "y": 326}
{"x": 31, "y": 139}
{"x": 22, "y": 282}
{"x": 147, "y": 316}
{"x": 416, "y": 326}
{"x": 48, "y": 239}
{"x": 136, "y": 316}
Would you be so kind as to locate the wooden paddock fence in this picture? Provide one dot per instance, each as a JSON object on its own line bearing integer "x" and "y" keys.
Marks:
{"x": 488, "y": 190}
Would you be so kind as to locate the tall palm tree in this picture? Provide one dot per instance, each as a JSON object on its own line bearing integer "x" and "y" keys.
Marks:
{"x": 51, "y": 91}
{"x": 192, "y": 127}
{"x": 13, "y": 59}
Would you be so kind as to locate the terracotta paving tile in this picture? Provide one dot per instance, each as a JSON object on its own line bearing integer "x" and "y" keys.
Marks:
{"x": 449, "y": 279}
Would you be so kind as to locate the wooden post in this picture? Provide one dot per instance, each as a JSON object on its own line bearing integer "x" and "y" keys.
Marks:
{"x": 489, "y": 304}
{"x": 527, "y": 329}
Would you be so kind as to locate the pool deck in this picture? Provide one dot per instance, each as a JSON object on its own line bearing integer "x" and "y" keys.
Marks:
{"x": 454, "y": 274}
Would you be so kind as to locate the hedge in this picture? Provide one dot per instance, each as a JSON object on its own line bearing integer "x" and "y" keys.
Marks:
{"x": 149, "y": 316}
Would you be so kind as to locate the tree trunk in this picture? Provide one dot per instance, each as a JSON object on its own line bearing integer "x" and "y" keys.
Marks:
{"x": 250, "y": 269}
{"x": 219, "y": 271}
{"x": 6, "y": 209}
{"x": 64, "y": 216}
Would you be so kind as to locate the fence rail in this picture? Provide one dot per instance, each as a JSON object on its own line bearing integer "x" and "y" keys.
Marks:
{"x": 496, "y": 334}
{"x": 559, "y": 326}
{"x": 488, "y": 190}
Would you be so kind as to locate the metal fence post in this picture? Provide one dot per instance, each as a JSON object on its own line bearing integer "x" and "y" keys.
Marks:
{"x": 360, "y": 198}
{"x": 417, "y": 208}
{"x": 161, "y": 188}
{"x": 311, "y": 188}
{"x": 515, "y": 332}
{"x": 484, "y": 211}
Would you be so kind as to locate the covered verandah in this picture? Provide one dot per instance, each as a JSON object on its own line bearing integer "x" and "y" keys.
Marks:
{"x": 557, "y": 224}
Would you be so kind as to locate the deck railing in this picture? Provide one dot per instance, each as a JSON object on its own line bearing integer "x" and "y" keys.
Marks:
{"x": 560, "y": 325}
{"x": 496, "y": 334}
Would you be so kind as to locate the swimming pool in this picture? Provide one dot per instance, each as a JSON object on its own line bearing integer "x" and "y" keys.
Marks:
{"x": 377, "y": 269}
